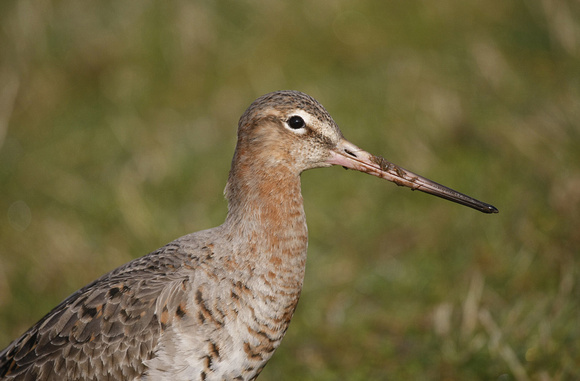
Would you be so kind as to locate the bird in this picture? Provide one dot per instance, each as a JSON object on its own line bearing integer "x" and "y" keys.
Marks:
{"x": 215, "y": 304}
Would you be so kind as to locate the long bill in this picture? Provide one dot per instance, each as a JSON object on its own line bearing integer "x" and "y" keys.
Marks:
{"x": 350, "y": 156}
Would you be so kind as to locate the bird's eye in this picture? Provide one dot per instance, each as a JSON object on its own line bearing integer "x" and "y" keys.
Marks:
{"x": 295, "y": 122}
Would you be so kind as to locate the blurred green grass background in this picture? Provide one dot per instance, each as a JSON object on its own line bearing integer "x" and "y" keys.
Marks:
{"x": 117, "y": 127}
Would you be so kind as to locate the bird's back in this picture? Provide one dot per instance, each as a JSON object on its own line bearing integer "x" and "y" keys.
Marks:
{"x": 109, "y": 328}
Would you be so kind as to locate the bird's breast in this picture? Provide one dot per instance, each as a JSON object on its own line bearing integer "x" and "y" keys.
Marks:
{"x": 237, "y": 307}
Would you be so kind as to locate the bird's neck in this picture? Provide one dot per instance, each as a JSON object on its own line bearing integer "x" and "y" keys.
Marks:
{"x": 266, "y": 232}
{"x": 266, "y": 212}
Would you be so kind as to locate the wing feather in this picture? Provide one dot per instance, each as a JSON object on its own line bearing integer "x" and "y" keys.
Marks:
{"x": 106, "y": 329}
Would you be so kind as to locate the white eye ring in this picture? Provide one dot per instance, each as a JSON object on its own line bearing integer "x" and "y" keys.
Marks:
{"x": 298, "y": 121}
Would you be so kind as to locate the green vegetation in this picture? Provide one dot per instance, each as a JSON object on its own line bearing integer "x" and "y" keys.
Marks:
{"x": 117, "y": 127}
